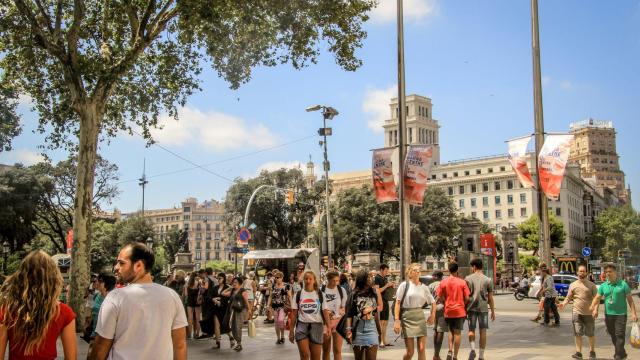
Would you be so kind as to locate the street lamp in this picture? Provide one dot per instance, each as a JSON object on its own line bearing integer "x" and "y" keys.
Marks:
{"x": 150, "y": 243}
{"x": 510, "y": 258}
{"x": 5, "y": 253}
{"x": 328, "y": 113}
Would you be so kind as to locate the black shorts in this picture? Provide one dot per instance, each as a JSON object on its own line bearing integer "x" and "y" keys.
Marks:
{"x": 455, "y": 323}
{"x": 384, "y": 314}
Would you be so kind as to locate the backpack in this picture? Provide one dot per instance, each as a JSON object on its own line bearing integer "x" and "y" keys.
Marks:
{"x": 404, "y": 296}
{"x": 340, "y": 289}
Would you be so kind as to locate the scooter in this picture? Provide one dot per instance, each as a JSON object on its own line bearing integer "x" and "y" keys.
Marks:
{"x": 522, "y": 293}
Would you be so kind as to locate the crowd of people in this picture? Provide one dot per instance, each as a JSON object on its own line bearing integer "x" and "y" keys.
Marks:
{"x": 131, "y": 317}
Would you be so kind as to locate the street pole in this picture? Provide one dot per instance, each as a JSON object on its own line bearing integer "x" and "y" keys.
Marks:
{"x": 544, "y": 247}
{"x": 143, "y": 181}
{"x": 405, "y": 232}
{"x": 326, "y": 166}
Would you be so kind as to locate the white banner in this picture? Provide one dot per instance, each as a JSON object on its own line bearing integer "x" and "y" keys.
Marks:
{"x": 518, "y": 160}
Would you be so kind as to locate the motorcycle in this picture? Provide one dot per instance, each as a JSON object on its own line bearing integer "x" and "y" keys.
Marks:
{"x": 521, "y": 293}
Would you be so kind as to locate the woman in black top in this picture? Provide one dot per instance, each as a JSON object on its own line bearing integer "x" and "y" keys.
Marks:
{"x": 278, "y": 299}
{"x": 220, "y": 305}
{"x": 362, "y": 331}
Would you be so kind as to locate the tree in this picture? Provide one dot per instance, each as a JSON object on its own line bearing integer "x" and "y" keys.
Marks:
{"x": 96, "y": 67}
{"x": 9, "y": 120}
{"x": 529, "y": 238}
{"x": 615, "y": 229}
{"x": 104, "y": 246}
{"x": 279, "y": 225}
{"x": 55, "y": 212}
{"x": 221, "y": 266}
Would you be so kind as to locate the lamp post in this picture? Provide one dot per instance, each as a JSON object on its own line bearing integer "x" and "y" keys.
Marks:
{"x": 5, "y": 253}
{"x": 328, "y": 113}
{"x": 149, "y": 242}
{"x": 510, "y": 259}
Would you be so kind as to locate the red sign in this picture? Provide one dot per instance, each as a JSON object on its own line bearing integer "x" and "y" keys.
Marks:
{"x": 552, "y": 162}
{"x": 69, "y": 241}
{"x": 383, "y": 181}
{"x": 488, "y": 244}
{"x": 417, "y": 166}
{"x": 244, "y": 235}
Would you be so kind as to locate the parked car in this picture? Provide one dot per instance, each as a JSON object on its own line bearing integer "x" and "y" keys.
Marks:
{"x": 561, "y": 281}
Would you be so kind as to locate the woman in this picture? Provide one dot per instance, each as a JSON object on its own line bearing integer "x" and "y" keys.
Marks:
{"x": 309, "y": 326}
{"x": 250, "y": 286}
{"x": 238, "y": 306}
{"x": 411, "y": 296}
{"x": 344, "y": 282}
{"x": 362, "y": 331}
{"x": 220, "y": 306}
{"x": 191, "y": 292}
{"x": 294, "y": 283}
{"x": 278, "y": 298}
{"x": 31, "y": 318}
{"x": 104, "y": 284}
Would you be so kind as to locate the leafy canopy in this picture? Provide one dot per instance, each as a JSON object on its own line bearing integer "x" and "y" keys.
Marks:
{"x": 529, "y": 238}
{"x": 615, "y": 229}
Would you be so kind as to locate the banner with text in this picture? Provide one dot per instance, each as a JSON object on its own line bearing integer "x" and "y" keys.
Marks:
{"x": 552, "y": 162}
{"x": 384, "y": 184}
{"x": 417, "y": 166}
{"x": 518, "y": 160}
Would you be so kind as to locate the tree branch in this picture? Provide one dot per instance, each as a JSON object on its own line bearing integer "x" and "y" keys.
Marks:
{"x": 42, "y": 39}
{"x": 45, "y": 14}
{"x": 134, "y": 23}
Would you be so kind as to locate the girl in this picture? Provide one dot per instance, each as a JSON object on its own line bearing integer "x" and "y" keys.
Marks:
{"x": 238, "y": 305}
{"x": 362, "y": 331}
{"x": 220, "y": 307}
{"x": 191, "y": 292}
{"x": 310, "y": 313}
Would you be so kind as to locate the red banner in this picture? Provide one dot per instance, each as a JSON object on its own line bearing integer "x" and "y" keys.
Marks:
{"x": 417, "y": 166}
{"x": 69, "y": 241}
{"x": 384, "y": 184}
{"x": 518, "y": 160}
{"x": 488, "y": 244}
{"x": 552, "y": 162}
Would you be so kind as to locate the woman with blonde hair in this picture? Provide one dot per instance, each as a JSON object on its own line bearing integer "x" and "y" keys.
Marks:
{"x": 31, "y": 318}
{"x": 310, "y": 314}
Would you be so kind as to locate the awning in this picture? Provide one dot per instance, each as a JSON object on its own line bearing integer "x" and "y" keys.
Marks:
{"x": 277, "y": 254}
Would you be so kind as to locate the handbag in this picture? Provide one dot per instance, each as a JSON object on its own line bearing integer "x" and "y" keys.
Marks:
{"x": 200, "y": 298}
{"x": 251, "y": 329}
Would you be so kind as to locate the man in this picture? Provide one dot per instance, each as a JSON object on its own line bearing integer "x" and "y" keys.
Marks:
{"x": 615, "y": 291}
{"x": 439, "y": 325}
{"x": 142, "y": 320}
{"x": 336, "y": 299}
{"x": 481, "y": 300}
{"x": 455, "y": 294}
{"x": 386, "y": 289}
{"x": 582, "y": 292}
{"x": 548, "y": 289}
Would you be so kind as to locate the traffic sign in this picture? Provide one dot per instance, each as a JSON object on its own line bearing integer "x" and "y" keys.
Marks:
{"x": 244, "y": 235}
{"x": 586, "y": 251}
{"x": 239, "y": 250}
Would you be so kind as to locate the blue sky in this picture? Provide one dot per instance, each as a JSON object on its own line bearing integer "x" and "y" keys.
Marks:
{"x": 472, "y": 58}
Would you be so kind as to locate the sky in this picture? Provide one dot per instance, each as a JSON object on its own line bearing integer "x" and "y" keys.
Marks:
{"x": 472, "y": 58}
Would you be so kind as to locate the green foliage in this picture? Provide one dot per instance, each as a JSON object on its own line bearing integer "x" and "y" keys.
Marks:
{"x": 615, "y": 229}
{"x": 529, "y": 238}
{"x": 221, "y": 266}
{"x": 529, "y": 262}
{"x": 104, "y": 246}
{"x": 9, "y": 120}
{"x": 279, "y": 225}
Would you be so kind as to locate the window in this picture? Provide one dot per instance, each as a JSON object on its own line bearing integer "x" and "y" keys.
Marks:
{"x": 498, "y": 214}
{"x": 466, "y": 173}
{"x": 461, "y": 189}
{"x": 485, "y": 201}
{"x": 485, "y": 215}
{"x": 198, "y": 255}
{"x": 208, "y": 227}
{"x": 186, "y": 217}
{"x": 473, "y": 202}
{"x": 455, "y": 174}
{"x": 410, "y": 135}
{"x": 198, "y": 227}
{"x": 509, "y": 184}
{"x": 485, "y": 187}
{"x": 523, "y": 198}
{"x": 474, "y": 188}
{"x": 478, "y": 171}
{"x": 217, "y": 256}
{"x": 217, "y": 236}
{"x": 490, "y": 170}
{"x": 444, "y": 176}
{"x": 523, "y": 212}
{"x": 207, "y": 255}
{"x": 502, "y": 168}
{"x": 207, "y": 246}
{"x": 497, "y": 200}
{"x": 509, "y": 199}
{"x": 433, "y": 177}
{"x": 450, "y": 190}
{"x": 186, "y": 209}
{"x": 558, "y": 212}
{"x": 461, "y": 203}
{"x": 510, "y": 213}
{"x": 496, "y": 185}
{"x": 217, "y": 227}
{"x": 198, "y": 245}
{"x": 474, "y": 215}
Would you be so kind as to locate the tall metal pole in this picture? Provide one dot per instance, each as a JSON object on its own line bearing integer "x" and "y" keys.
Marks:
{"x": 326, "y": 166}
{"x": 543, "y": 213}
{"x": 143, "y": 181}
{"x": 405, "y": 234}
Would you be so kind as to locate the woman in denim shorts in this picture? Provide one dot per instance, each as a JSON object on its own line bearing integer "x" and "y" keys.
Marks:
{"x": 310, "y": 313}
{"x": 362, "y": 331}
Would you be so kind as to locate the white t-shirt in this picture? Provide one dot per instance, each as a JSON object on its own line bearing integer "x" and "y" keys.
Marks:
{"x": 309, "y": 307}
{"x": 139, "y": 318}
{"x": 417, "y": 295}
{"x": 333, "y": 302}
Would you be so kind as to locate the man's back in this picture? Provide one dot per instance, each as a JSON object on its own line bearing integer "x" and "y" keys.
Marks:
{"x": 139, "y": 318}
{"x": 453, "y": 290}
{"x": 479, "y": 286}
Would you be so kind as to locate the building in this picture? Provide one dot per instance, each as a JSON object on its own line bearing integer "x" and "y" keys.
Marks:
{"x": 208, "y": 238}
{"x": 594, "y": 149}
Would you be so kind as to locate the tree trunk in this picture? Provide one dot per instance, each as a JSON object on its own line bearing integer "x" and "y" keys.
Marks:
{"x": 90, "y": 118}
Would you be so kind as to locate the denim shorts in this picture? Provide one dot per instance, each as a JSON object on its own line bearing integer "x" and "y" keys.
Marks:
{"x": 480, "y": 318}
{"x": 455, "y": 323}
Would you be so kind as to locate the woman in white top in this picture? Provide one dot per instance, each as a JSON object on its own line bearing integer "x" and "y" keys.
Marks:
{"x": 411, "y": 296}
{"x": 250, "y": 286}
{"x": 310, "y": 314}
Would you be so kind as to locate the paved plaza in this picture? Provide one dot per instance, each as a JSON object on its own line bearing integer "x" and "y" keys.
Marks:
{"x": 511, "y": 337}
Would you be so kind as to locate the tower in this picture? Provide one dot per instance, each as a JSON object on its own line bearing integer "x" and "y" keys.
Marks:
{"x": 310, "y": 177}
{"x": 422, "y": 128}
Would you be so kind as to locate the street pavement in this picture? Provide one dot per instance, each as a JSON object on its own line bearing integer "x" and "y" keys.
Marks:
{"x": 511, "y": 337}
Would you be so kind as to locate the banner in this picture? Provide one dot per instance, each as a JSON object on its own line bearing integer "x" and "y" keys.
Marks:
{"x": 518, "y": 160}
{"x": 417, "y": 166}
{"x": 488, "y": 244}
{"x": 552, "y": 162}
{"x": 384, "y": 184}
{"x": 69, "y": 241}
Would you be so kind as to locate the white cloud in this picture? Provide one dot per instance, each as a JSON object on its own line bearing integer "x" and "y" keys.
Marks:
{"x": 25, "y": 100}
{"x": 566, "y": 84}
{"x": 415, "y": 11}
{"x": 23, "y": 156}
{"x": 376, "y": 105}
{"x": 546, "y": 80}
{"x": 213, "y": 130}
{"x": 277, "y": 165}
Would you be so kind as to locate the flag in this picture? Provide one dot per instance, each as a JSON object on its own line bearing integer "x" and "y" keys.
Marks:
{"x": 384, "y": 184}
{"x": 69, "y": 241}
{"x": 518, "y": 160}
{"x": 552, "y": 162}
{"x": 417, "y": 166}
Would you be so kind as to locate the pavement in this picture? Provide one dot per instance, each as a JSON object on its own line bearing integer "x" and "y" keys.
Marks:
{"x": 511, "y": 337}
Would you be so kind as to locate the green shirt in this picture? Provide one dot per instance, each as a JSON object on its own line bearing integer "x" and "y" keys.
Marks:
{"x": 615, "y": 297}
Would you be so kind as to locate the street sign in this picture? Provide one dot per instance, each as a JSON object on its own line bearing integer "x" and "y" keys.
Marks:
{"x": 244, "y": 235}
{"x": 239, "y": 250}
{"x": 586, "y": 251}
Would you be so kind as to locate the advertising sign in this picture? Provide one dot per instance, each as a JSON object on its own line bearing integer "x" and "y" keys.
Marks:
{"x": 69, "y": 241}
{"x": 384, "y": 184}
{"x": 518, "y": 160}
{"x": 567, "y": 265}
{"x": 417, "y": 166}
{"x": 488, "y": 244}
{"x": 552, "y": 162}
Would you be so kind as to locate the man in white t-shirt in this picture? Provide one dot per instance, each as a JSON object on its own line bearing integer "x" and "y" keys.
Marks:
{"x": 335, "y": 299}
{"x": 143, "y": 320}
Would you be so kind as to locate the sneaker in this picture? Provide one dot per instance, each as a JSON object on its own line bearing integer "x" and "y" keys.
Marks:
{"x": 232, "y": 343}
{"x": 577, "y": 355}
{"x": 449, "y": 356}
{"x": 472, "y": 355}
{"x": 238, "y": 347}
{"x": 592, "y": 355}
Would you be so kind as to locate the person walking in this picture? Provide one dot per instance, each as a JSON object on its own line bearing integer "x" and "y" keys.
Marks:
{"x": 616, "y": 295}
{"x": 336, "y": 299}
{"x": 31, "y": 317}
{"x": 142, "y": 320}
{"x": 582, "y": 292}
{"x": 387, "y": 289}
{"x": 220, "y": 309}
{"x": 104, "y": 284}
{"x": 480, "y": 302}
{"x": 209, "y": 282}
{"x": 239, "y": 306}
{"x": 439, "y": 326}
{"x": 250, "y": 287}
{"x": 192, "y": 294}
{"x": 277, "y": 302}
{"x": 548, "y": 290}
{"x": 411, "y": 297}
{"x": 310, "y": 314}
{"x": 362, "y": 331}
{"x": 454, "y": 292}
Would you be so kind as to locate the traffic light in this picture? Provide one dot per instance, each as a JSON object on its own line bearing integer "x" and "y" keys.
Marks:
{"x": 325, "y": 261}
{"x": 290, "y": 197}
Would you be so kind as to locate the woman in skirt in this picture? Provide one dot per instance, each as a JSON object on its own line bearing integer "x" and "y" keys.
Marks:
{"x": 411, "y": 296}
{"x": 362, "y": 331}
